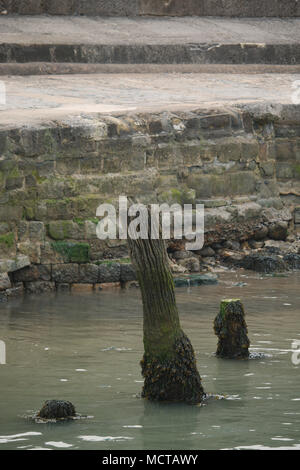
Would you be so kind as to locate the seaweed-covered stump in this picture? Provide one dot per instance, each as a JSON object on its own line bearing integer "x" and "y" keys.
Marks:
{"x": 174, "y": 378}
{"x": 231, "y": 328}
{"x": 169, "y": 364}
{"x": 57, "y": 409}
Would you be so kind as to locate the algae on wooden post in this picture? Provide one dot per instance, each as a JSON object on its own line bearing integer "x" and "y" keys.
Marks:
{"x": 231, "y": 328}
{"x": 169, "y": 364}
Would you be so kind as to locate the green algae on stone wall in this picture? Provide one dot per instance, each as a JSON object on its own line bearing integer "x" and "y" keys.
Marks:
{"x": 8, "y": 240}
{"x": 58, "y": 175}
{"x": 73, "y": 252}
{"x": 66, "y": 229}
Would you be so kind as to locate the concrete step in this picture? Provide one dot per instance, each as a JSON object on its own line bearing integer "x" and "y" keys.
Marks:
{"x": 241, "y": 8}
{"x": 35, "y": 99}
{"x": 149, "y": 40}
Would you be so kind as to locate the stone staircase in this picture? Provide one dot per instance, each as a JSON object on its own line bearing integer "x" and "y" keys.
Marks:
{"x": 165, "y": 101}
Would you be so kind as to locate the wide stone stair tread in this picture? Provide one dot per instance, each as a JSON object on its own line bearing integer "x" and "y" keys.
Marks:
{"x": 188, "y": 40}
{"x": 75, "y": 100}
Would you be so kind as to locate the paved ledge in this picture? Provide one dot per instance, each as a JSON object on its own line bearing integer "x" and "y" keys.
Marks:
{"x": 35, "y": 99}
{"x": 32, "y": 30}
{"x": 147, "y": 40}
{"x": 154, "y": 7}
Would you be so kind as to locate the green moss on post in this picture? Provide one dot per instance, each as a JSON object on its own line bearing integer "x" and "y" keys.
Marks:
{"x": 231, "y": 328}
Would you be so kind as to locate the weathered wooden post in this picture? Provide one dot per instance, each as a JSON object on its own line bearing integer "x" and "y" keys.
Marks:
{"x": 169, "y": 364}
{"x": 231, "y": 328}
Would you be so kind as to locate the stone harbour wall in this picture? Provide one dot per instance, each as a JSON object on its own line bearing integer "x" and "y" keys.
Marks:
{"x": 240, "y": 8}
{"x": 242, "y": 163}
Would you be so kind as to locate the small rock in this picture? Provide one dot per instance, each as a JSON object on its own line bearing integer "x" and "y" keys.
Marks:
{"x": 206, "y": 252}
{"x": 209, "y": 261}
{"x": 179, "y": 255}
{"x": 245, "y": 246}
{"x": 217, "y": 246}
{"x": 291, "y": 238}
{"x": 4, "y": 282}
{"x": 176, "y": 268}
{"x": 191, "y": 264}
{"x": 232, "y": 245}
{"x": 280, "y": 247}
{"x": 261, "y": 232}
{"x": 293, "y": 260}
{"x": 232, "y": 257}
{"x": 278, "y": 230}
{"x": 255, "y": 245}
{"x": 263, "y": 263}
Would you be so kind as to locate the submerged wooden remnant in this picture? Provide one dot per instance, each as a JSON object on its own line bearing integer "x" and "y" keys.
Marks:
{"x": 231, "y": 328}
{"x": 57, "y": 409}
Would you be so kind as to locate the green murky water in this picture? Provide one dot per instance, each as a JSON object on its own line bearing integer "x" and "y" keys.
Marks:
{"x": 86, "y": 348}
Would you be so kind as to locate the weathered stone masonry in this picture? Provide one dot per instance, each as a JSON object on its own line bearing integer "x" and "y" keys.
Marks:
{"x": 243, "y": 163}
{"x": 246, "y": 8}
